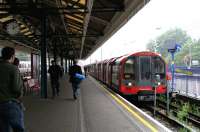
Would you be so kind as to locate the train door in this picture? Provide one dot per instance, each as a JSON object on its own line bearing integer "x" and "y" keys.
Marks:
{"x": 129, "y": 72}
{"x": 158, "y": 68}
{"x": 144, "y": 71}
{"x": 115, "y": 76}
{"x": 109, "y": 82}
{"x": 104, "y": 72}
{"x": 98, "y": 70}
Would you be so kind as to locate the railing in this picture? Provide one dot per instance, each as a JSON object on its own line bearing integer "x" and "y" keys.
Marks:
{"x": 31, "y": 86}
{"x": 188, "y": 85}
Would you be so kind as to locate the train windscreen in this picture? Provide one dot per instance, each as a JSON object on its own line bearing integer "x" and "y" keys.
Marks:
{"x": 149, "y": 67}
{"x": 129, "y": 69}
{"x": 145, "y": 68}
{"x": 158, "y": 66}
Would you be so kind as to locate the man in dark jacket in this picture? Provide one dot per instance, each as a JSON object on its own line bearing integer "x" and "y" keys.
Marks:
{"x": 11, "y": 86}
{"x": 55, "y": 73}
{"x": 75, "y": 81}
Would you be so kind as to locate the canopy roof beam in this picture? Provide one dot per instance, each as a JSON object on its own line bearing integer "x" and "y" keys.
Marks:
{"x": 86, "y": 21}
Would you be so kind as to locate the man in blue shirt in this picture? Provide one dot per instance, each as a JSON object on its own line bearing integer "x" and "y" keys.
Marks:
{"x": 75, "y": 81}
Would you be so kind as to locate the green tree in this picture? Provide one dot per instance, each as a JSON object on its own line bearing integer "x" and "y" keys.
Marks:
{"x": 151, "y": 46}
{"x": 160, "y": 44}
{"x": 182, "y": 57}
{"x": 190, "y": 50}
{"x": 195, "y": 48}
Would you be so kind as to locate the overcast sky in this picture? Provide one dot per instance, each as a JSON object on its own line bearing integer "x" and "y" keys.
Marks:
{"x": 154, "y": 19}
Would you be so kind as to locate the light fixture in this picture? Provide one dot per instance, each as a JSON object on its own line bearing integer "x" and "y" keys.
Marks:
{"x": 5, "y": 19}
{"x": 22, "y": 26}
{"x": 28, "y": 33}
{"x": 129, "y": 84}
{"x": 30, "y": 36}
{"x": 24, "y": 30}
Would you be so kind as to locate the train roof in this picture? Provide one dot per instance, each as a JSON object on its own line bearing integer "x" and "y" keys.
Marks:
{"x": 122, "y": 58}
{"x": 144, "y": 53}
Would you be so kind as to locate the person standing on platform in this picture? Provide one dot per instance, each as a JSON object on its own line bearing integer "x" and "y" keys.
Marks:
{"x": 11, "y": 86}
{"x": 75, "y": 81}
{"x": 55, "y": 74}
{"x": 85, "y": 70}
{"x": 16, "y": 62}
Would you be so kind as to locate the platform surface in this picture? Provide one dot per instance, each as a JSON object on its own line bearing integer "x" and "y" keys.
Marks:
{"x": 94, "y": 111}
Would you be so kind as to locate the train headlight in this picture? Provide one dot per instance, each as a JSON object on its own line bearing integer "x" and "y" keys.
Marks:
{"x": 129, "y": 84}
{"x": 157, "y": 80}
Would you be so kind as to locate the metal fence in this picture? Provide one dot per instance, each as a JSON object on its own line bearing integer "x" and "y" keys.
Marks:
{"x": 188, "y": 85}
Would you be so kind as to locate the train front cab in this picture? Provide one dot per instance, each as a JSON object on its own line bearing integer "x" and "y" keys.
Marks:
{"x": 149, "y": 68}
{"x": 137, "y": 74}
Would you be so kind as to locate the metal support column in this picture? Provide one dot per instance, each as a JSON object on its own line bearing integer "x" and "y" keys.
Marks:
{"x": 43, "y": 58}
{"x": 49, "y": 60}
{"x": 168, "y": 101}
{"x": 61, "y": 60}
{"x": 65, "y": 65}
{"x": 70, "y": 62}
{"x": 32, "y": 65}
{"x": 68, "y": 65}
{"x": 172, "y": 70}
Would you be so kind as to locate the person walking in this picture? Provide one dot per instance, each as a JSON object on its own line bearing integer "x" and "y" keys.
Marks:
{"x": 55, "y": 73}
{"x": 11, "y": 87}
{"x": 75, "y": 81}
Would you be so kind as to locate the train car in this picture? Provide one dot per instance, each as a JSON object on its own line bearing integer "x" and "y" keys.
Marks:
{"x": 136, "y": 74}
{"x": 109, "y": 70}
{"x": 104, "y": 71}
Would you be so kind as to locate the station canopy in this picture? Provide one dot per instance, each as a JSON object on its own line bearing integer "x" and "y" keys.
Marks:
{"x": 72, "y": 28}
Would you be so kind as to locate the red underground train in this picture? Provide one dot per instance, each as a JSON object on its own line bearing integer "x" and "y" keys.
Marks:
{"x": 135, "y": 75}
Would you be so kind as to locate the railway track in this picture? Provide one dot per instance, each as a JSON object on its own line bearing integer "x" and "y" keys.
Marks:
{"x": 192, "y": 119}
{"x": 161, "y": 116}
{"x": 171, "y": 122}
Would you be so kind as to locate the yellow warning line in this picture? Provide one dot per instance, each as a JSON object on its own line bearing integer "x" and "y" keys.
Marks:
{"x": 132, "y": 112}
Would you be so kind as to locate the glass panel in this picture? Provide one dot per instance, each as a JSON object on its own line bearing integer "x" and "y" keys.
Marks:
{"x": 115, "y": 74}
{"x": 145, "y": 68}
{"x": 158, "y": 66}
{"x": 129, "y": 69}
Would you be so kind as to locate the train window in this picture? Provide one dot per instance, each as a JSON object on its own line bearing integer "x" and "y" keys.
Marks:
{"x": 158, "y": 66}
{"x": 129, "y": 69}
{"x": 145, "y": 68}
